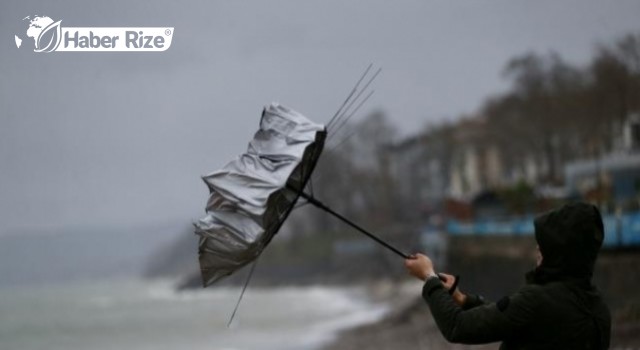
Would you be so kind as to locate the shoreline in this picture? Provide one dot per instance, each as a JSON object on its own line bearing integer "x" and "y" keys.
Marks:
{"x": 408, "y": 325}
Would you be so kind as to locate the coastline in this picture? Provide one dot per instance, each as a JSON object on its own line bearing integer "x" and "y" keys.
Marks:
{"x": 407, "y": 325}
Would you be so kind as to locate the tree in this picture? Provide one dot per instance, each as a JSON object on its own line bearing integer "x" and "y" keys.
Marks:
{"x": 615, "y": 89}
{"x": 538, "y": 115}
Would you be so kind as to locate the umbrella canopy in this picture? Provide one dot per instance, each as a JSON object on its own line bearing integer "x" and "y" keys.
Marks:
{"x": 251, "y": 196}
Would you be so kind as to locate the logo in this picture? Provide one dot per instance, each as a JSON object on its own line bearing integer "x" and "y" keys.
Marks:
{"x": 49, "y": 36}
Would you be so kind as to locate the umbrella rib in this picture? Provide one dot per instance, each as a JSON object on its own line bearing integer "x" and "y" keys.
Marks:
{"x": 350, "y": 115}
{"x": 341, "y": 113}
{"x": 244, "y": 288}
{"x": 311, "y": 176}
{"x": 344, "y": 112}
{"x": 309, "y": 183}
{"x": 350, "y": 95}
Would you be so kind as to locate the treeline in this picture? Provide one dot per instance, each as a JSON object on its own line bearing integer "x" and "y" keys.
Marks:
{"x": 554, "y": 112}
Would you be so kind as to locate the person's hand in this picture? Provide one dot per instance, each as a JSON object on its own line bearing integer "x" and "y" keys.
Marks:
{"x": 420, "y": 266}
{"x": 448, "y": 281}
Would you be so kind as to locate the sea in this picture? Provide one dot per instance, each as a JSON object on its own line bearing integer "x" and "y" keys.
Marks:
{"x": 136, "y": 314}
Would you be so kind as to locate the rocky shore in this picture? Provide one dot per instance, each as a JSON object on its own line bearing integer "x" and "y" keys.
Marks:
{"x": 409, "y": 325}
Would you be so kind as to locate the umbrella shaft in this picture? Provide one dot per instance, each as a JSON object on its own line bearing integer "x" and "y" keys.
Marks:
{"x": 320, "y": 205}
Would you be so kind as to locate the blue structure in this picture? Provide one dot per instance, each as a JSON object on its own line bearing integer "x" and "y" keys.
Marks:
{"x": 622, "y": 231}
{"x": 622, "y": 171}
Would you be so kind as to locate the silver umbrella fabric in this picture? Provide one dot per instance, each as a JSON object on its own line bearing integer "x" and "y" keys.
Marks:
{"x": 251, "y": 196}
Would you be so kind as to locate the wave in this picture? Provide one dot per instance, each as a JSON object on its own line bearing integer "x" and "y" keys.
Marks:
{"x": 326, "y": 331}
{"x": 307, "y": 317}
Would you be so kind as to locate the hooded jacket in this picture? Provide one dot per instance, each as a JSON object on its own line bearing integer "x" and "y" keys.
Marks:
{"x": 558, "y": 308}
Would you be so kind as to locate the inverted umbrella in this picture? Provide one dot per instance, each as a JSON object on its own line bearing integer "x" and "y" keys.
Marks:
{"x": 251, "y": 197}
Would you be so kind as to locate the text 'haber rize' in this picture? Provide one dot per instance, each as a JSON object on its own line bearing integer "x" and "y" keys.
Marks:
{"x": 133, "y": 39}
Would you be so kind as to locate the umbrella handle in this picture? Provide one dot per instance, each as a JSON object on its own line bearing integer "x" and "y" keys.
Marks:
{"x": 320, "y": 205}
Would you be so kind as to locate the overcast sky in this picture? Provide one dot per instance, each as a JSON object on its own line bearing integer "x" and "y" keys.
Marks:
{"x": 120, "y": 139}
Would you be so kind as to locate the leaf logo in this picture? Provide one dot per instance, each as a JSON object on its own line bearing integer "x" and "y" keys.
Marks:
{"x": 49, "y": 38}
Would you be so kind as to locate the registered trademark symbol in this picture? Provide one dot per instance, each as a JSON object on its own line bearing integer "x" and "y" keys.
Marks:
{"x": 167, "y": 32}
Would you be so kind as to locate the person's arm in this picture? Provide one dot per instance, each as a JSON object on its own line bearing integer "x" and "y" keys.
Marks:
{"x": 486, "y": 323}
{"x": 477, "y": 322}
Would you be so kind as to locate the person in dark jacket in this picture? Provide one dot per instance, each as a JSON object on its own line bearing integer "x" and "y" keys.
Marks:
{"x": 558, "y": 308}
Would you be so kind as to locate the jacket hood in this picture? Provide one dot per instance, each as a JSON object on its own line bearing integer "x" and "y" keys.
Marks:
{"x": 569, "y": 239}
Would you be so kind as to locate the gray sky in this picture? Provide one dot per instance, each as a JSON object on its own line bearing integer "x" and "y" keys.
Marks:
{"x": 120, "y": 139}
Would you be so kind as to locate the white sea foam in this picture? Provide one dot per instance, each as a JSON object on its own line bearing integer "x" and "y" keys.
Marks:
{"x": 325, "y": 331}
{"x": 153, "y": 315}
